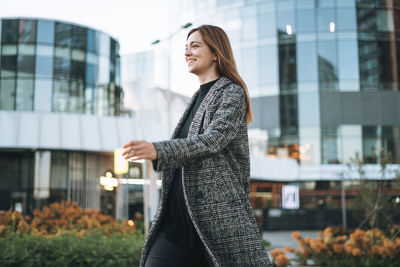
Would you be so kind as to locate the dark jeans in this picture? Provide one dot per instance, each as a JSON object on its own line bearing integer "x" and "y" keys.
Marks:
{"x": 164, "y": 253}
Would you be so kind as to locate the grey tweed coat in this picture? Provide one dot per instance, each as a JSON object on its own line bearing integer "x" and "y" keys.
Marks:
{"x": 215, "y": 171}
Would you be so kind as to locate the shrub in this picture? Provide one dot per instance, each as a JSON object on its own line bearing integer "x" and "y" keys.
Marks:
{"x": 358, "y": 248}
{"x": 65, "y": 235}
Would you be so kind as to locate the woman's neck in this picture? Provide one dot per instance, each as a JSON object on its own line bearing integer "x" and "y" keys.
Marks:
{"x": 208, "y": 77}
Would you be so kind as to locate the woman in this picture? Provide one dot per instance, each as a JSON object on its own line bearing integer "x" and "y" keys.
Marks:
{"x": 204, "y": 217}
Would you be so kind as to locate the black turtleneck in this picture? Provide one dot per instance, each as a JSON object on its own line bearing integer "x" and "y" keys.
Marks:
{"x": 176, "y": 222}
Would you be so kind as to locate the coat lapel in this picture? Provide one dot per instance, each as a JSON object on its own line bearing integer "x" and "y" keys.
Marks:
{"x": 198, "y": 117}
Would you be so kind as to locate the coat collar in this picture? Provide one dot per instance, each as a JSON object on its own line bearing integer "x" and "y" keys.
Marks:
{"x": 198, "y": 117}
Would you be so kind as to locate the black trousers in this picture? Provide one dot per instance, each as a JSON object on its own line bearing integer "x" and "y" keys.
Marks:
{"x": 164, "y": 253}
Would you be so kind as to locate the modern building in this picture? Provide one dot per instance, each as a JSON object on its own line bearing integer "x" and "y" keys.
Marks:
{"x": 324, "y": 80}
{"x": 60, "y": 113}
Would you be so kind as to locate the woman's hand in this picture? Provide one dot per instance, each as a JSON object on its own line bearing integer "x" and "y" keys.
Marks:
{"x": 139, "y": 149}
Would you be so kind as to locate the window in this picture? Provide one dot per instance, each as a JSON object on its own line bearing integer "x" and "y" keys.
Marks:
{"x": 45, "y": 34}
{"x": 327, "y": 65}
{"x": 24, "y": 94}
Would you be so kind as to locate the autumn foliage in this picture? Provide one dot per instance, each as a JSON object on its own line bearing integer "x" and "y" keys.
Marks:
{"x": 59, "y": 218}
{"x": 357, "y": 248}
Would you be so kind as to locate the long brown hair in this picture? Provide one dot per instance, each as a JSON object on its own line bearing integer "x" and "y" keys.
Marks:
{"x": 218, "y": 41}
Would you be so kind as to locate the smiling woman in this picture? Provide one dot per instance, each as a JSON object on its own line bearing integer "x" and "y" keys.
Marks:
{"x": 205, "y": 217}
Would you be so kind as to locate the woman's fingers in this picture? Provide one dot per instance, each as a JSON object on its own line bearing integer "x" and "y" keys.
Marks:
{"x": 140, "y": 149}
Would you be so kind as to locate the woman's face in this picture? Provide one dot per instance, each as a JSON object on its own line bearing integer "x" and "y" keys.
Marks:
{"x": 199, "y": 56}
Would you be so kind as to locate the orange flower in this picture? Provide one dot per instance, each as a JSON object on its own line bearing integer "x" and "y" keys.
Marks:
{"x": 281, "y": 261}
{"x": 289, "y": 249}
{"x": 275, "y": 252}
{"x": 23, "y": 227}
{"x": 356, "y": 252}
{"x": 296, "y": 235}
{"x": 338, "y": 248}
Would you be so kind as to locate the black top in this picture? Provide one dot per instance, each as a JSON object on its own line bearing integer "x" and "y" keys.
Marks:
{"x": 177, "y": 224}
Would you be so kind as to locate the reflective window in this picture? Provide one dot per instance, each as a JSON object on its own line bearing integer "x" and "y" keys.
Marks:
{"x": 249, "y": 28}
{"x": 59, "y": 170}
{"x": 309, "y": 109}
{"x": 9, "y": 61}
{"x": 285, "y": 4}
{"x": 288, "y": 114}
{"x": 327, "y": 65}
{"x": 0, "y": 30}
{"x": 100, "y": 100}
{"x": 326, "y": 19}
{"x": 91, "y": 69}
{"x": 325, "y": 3}
{"x": 63, "y": 35}
{"x": 43, "y": 94}
{"x": 385, "y": 22}
{"x": 104, "y": 70}
{"x": 10, "y": 31}
{"x": 346, "y": 18}
{"x": 104, "y": 44}
{"x": 330, "y": 145}
{"x": 306, "y": 20}
{"x": 286, "y": 24}
{"x": 24, "y": 94}
{"x": 309, "y": 145}
{"x": 26, "y": 61}
{"x": 76, "y": 96}
{"x": 307, "y": 62}
{"x": 346, "y": 3}
{"x": 89, "y": 91}
{"x": 27, "y": 31}
{"x": 266, "y": 25}
{"x": 366, "y": 20}
{"x": 348, "y": 65}
{"x": 62, "y": 64}
{"x": 44, "y": 61}
{"x": 369, "y": 65}
{"x": 287, "y": 67}
{"x": 45, "y": 32}
{"x": 78, "y": 35}
{"x": 92, "y": 40}
{"x": 387, "y": 66}
{"x": 268, "y": 66}
{"x": 249, "y": 60}
{"x": 60, "y": 95}
{"x": 391, "y": 144}
{"x": 7, "y": 94}
{"x": 305, "y": 3}
{"x": 350, "y": 142}
{"x": 78, "y": 70}
{"x": 371, "y": 140}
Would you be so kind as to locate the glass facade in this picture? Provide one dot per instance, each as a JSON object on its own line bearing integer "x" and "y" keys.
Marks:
{"x": 77, "y": 69}
{"x": 323, "y": 74}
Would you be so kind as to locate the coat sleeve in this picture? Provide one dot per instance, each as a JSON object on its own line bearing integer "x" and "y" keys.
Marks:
{"x": 223, "y": 128}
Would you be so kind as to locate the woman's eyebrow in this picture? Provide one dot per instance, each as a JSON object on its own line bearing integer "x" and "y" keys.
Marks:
{"x": 194, "y": 42}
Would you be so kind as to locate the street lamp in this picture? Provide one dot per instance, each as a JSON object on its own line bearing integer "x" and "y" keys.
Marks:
{"x": 155, "y": 42}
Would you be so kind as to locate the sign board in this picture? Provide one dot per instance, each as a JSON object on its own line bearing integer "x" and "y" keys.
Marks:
{"x": 290, "y": 197}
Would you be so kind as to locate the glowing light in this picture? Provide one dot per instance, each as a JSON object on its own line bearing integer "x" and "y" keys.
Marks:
{"x": 131, "y": 223}
{"x": 289, "y": 29}
{"x": 332, "y": 27}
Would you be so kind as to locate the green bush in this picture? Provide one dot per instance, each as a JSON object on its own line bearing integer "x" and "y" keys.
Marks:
{"x": 71, "y": 249}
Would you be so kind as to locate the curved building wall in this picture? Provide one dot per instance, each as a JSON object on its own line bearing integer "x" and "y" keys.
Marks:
{"x": 54, "y": 66}
{"x": 323, "y": 75}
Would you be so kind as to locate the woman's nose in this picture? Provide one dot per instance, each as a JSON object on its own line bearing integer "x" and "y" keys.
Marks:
{"x": 188, "y": 52}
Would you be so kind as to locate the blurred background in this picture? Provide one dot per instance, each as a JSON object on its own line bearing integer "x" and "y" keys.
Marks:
{"x": 80, "y": 79}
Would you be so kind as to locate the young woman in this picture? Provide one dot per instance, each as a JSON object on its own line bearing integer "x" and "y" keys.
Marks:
{"x": 204, "y": 217}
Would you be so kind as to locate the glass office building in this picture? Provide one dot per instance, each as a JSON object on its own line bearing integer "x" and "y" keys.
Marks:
{"x": 60, "y": 104}
{"x": 324, "y": 80}
{"x": 54, "y": 66}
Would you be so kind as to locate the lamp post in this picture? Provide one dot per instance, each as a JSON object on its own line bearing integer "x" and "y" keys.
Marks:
{"x": 155, "y": 42}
